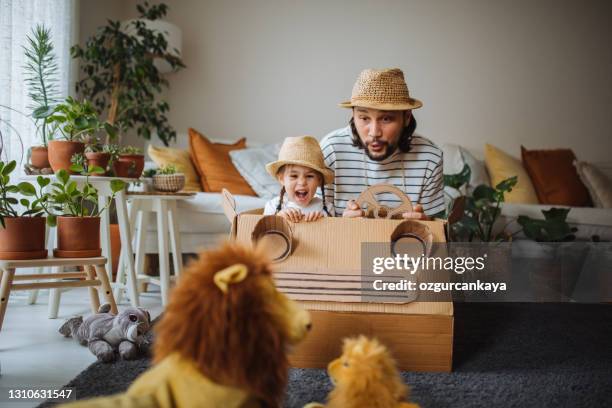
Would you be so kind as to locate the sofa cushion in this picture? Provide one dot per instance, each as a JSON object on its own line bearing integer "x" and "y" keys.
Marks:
{"x": 555, "y": 178}
{"x": 214, "y": 165}
{"x": 251, "y": 163}
{"x": 502, "y": 166}
{"x": 598, "y": 184}
{"x": 179, "y": 158}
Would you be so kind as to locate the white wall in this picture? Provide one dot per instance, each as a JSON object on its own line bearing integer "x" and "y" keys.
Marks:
{"x": 537, "y": 73}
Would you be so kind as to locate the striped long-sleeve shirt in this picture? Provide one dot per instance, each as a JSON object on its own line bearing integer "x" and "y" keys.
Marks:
{"x": 355, "y": 171}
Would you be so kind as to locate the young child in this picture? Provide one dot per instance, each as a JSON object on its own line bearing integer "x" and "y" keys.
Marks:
{"x": 300, "y": 169}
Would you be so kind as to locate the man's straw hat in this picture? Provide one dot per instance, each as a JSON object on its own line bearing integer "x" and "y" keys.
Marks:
{"x": 383, "y": 89}
{"x": 302, "y": 151}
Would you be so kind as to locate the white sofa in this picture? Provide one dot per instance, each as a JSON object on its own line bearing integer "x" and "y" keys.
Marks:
{"x": 203, "y": 223}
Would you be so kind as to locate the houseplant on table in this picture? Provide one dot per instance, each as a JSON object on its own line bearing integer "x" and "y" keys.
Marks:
{"x": 167, "y": 179}
{"x": 41, "y": 77}
{"x": 22, "y": 234}
{"x": 129, "y": 162}
{"x": 554, "y": 260}
{"x": 119, "y": 75}
{"x": 76, "y": 212}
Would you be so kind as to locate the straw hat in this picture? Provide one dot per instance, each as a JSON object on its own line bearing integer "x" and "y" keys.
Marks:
{"x": 302, "y": 151}
{"x": 383, "y": 89}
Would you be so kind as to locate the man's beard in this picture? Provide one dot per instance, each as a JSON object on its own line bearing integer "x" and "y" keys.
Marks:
{"x": 389, "y": 150}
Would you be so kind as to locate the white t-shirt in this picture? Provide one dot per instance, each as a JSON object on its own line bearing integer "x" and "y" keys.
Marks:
{"x": 316, "y": 204}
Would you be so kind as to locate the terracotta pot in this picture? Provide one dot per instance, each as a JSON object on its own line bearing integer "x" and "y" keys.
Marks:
{"x": 98, "y": 159}
{"x": 40, "y": 157}
{"x": 78, "y": 237}
{"x": 60, "y": 153}
{"x": 23, "y": 238}
{"x": 129, "y": 165}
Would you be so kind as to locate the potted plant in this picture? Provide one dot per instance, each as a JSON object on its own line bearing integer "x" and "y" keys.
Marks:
{"x": 41, "y": 74}
{"x": 553, "y": 260}
{"x": 129, "y": 162}
{"x": 168, "y": 179}
{"x": 98, "y": 155}
{"x": 74, "y": 120}
{"x": 76, "y": 212}
{"x": 22, "y": 235}
{"x": 119, "y": 75}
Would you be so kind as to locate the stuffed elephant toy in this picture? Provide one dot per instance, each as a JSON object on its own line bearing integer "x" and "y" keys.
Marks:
{"x": 105, "y": 333}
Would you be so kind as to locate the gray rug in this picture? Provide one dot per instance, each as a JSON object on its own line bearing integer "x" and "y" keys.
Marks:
{"x": 506, "y": 355}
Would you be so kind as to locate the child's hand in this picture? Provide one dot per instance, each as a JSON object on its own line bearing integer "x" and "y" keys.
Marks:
{"x": 291, "y": 214}
{"x": 313, "y": 216}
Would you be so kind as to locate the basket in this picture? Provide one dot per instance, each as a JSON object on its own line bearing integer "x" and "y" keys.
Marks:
{"x": 169, "y": 182}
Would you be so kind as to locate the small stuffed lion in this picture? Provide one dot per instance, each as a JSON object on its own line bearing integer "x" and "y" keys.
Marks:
{"x": 104, "y": 332}
{"x": 365, "y": 376}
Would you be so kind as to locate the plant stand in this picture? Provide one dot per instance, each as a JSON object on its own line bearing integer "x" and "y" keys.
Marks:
{"x": 94, "y": 277}
{"x": 102, "y": 184}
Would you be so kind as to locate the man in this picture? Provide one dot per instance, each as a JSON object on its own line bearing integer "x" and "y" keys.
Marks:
{"x": 379, "y": 146}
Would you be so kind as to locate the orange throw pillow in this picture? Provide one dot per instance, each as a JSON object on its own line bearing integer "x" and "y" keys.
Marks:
{"x": 555, "y": 178}
{"x": 213, "y": 163}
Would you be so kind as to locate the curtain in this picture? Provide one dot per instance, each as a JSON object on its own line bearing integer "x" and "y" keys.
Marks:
{"x": 17, "y": 19}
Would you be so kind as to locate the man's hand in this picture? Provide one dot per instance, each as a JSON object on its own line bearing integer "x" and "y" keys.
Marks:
{"x": 352, "y": 210}
{"x": 313, "y": 216}
{"x": 291, "y": 214}
{"x": 416, "y": 214}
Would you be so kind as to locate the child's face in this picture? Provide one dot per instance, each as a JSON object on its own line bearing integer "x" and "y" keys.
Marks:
{"x": 300, "y": 183}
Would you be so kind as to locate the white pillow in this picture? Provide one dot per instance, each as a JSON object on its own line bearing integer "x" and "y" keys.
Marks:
{"x": 455, "y": 157}
{"x": 251, "y": 164}
{"x": 598, "y": 184}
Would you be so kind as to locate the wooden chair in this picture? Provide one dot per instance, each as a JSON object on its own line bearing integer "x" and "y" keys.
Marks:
{"x": 93, "y": 276}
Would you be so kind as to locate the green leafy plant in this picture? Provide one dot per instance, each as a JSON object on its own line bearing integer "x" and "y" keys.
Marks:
{"x": 119, "y": 75}
{"x": 149, "y": 173}
{"x": 70, "y": 200}
{"x": 482, "y": 210}
{"x": 34, "y": 207}
{"x": 75, "y": 119}
{"x": 167, "y": 170}
{"x": 130, "y": 150}
{"x": 41, "y": 77}
{"x": 553, "y": 228}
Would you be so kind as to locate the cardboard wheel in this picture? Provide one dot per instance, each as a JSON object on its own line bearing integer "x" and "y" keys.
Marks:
{"x": 367, "y": 199}
{"x": 275, "y": 234}
{"x": 409, "y": 233}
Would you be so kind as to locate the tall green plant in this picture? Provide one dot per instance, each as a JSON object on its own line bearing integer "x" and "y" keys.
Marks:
{"x": 41, "y": 78}
{"x": 119, "y": 75}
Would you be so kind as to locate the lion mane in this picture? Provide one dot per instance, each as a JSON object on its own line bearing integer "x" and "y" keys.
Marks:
{"x": 238, "y": 338}
{"x": 366, "y": 376}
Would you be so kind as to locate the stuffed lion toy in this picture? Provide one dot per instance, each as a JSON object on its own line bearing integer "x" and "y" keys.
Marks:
{"x": 365, "y": 376}
{"x": 223, "y": 339}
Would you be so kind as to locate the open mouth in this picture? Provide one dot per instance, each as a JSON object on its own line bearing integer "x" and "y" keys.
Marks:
{"x": 377, "y": 146}
{"x": 301, "y": 194}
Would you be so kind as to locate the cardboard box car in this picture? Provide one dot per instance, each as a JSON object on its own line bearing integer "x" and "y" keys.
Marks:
{"x": 319, "y": 265}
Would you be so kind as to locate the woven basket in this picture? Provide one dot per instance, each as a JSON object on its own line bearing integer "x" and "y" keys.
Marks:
{"x": 169, "y": 182}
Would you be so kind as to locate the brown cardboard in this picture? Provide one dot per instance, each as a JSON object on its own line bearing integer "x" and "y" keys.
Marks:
{"x": 323, "y": 272}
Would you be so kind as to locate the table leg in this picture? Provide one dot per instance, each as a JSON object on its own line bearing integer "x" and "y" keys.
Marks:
{"x": 140, "y": 240}
{"x": 121, "y": 280}
{"x": 162, "y": 239}
{"x": 55, "y": 295}
{"x": 106, "y": 288}
{"x": 5, "y": 292}
{"x": 93, "y": 292}
{"x": 126, "y": 246}
{"x": 175, "y": 239}
{"x": 105, "y": 235}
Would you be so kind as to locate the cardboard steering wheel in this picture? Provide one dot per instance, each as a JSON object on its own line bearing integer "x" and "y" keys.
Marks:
{"x": 375, "y": 209}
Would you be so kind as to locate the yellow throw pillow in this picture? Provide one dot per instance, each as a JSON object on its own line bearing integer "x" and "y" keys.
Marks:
{"x": 501, "y": 166}
{"x": 179, "y": 158}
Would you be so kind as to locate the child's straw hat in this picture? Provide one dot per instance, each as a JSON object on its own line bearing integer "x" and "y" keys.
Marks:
{"x": 302, "y": 151}
{"x": 383, "y": 89}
